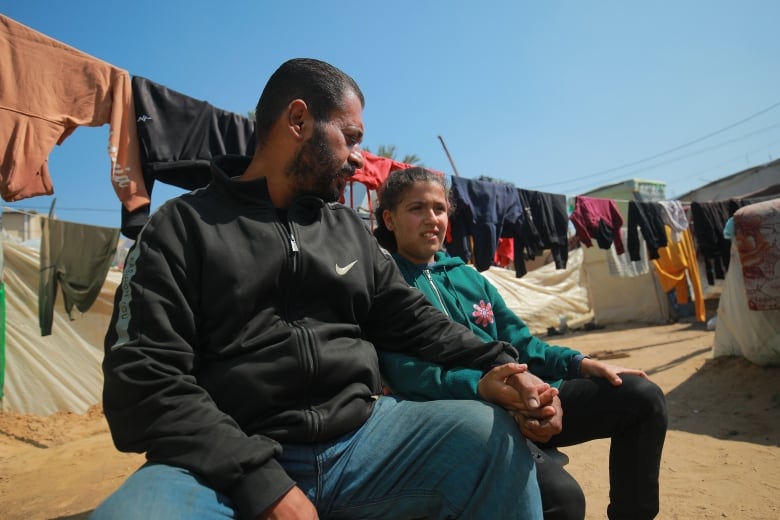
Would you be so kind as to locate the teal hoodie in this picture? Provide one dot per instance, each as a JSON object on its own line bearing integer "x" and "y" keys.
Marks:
{"x": 469, "y": 298}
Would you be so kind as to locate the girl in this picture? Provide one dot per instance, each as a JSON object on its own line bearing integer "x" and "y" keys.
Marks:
{"x": 599, "y": 400}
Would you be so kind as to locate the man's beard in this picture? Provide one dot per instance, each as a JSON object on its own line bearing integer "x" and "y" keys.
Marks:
{"x": 316, "y": 171}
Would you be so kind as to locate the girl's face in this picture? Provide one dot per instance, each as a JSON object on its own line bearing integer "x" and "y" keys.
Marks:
{"x": 419, "y": 222}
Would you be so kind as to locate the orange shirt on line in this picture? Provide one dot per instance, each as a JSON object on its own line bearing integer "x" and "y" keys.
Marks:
{"x": 676, "y": 266}
{"x": 47, "y": 90}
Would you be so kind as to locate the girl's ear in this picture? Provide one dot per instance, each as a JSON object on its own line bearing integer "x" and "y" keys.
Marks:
{"x": 387, "y": 216}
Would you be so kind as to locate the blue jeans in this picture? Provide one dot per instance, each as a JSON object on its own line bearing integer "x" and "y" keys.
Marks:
{"x": 410, "y": 460}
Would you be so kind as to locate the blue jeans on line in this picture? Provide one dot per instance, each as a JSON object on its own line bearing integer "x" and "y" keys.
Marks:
{"x": 410, "y": 460}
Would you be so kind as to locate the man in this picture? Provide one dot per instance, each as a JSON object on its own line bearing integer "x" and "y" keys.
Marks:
{"x": 242, "y": 352}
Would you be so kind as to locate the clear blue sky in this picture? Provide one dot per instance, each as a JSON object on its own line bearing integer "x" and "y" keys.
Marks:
{"x": 550, "y": 95}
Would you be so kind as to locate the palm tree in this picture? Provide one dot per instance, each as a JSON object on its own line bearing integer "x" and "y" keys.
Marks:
{"x": 389, "y": 151}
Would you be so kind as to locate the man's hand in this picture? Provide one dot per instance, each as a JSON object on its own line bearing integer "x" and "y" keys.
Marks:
{"x": 532, "y": 403}
{"x": 514, "y": 388}
{"x": 544, "y": 428}
{"x": 595, "y": 368}
{"x": 536, "y": 396}
{"x": 294, "y": 505}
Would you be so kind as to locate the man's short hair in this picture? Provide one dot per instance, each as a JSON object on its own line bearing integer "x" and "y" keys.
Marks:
{"x": 321, "y": 85}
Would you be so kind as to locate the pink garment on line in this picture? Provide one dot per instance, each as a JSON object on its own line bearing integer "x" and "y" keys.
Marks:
{"x": 47, "y": 90}
{"x": 589, "y": 213}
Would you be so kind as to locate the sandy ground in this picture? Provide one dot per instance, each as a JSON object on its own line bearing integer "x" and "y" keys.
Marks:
{"x": 721, "y": 458}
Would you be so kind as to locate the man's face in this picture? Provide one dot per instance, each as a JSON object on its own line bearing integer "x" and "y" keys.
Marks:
{"x": 330, "y": 156}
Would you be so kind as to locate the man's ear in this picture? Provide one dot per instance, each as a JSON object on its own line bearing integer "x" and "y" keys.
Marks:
{"x": 297, "y": 115}
{"x": 388, "y": 218}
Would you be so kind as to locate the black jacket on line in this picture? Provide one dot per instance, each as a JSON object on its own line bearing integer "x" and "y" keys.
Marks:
{"x": 545, "y": 226}
{"x": 177, "y": 137}
{"x": 649, "y": 218}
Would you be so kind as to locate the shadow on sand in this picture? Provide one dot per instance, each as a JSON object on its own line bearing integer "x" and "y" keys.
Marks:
{"x": 77, "y": 516}
{"x": 723, "y": 396}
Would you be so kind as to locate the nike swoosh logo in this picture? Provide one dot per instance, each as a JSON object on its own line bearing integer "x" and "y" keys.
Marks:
{"x": 341, "y": 271}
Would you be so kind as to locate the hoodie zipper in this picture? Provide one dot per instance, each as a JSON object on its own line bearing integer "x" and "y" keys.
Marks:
{"x": 428, "y": 276}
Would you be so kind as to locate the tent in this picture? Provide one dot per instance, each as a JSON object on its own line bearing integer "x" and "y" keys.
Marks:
{"x": 617, "y": 299}
{"x": 748, "y": 319}
{"x": 583, "y": 292}
{"x": 740, "y": 331}
{"x": 60, "y": 372}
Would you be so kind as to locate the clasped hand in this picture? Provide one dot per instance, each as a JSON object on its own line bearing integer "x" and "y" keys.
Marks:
{"x": 533, "y": 404}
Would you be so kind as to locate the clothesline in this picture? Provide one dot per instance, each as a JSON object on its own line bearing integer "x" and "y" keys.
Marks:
{"x": 568, "y": 196}
{"x": 46, "y": 216}
{"x": 23, "y": 211}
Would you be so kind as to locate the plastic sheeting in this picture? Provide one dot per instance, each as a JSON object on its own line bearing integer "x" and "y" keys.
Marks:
{"x": 60, "y": 372}
{"x": 544, "y": 295}
{"x": 740, "y": 331}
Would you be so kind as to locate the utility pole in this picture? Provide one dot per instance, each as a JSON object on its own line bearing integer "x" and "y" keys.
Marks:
{"x": 449, "y": 156}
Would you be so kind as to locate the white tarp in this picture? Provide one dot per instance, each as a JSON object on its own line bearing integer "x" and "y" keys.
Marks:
{"x": 545, "y": 294}
{"x": 60, "y": 372}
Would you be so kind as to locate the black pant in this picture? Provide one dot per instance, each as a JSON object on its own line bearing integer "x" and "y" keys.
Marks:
{"x": 633, "y": 415}
{"x": 562, "y": 497}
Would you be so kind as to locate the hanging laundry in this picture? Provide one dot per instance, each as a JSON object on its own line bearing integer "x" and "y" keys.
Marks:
{"x": 709, "y": 219}
{"x": 597, "y": 218}
{"x": 75, "y": 257}
{"x": 757, "y": 239}
{"x": 647, "y": 217}
{"x": 677, "y": 268}
{"x": 178, "y": 135}
{"x": 505, "y": 252}
{"x": 484, "y": 212}
{"x": 545, "y": 225}
{"x": 47, "y": 90}
{"x": 674, "y": 217}
{"x": 376, "y": 169}
{"x": 373, "y": 173}
{"x": 623, "y": 265}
